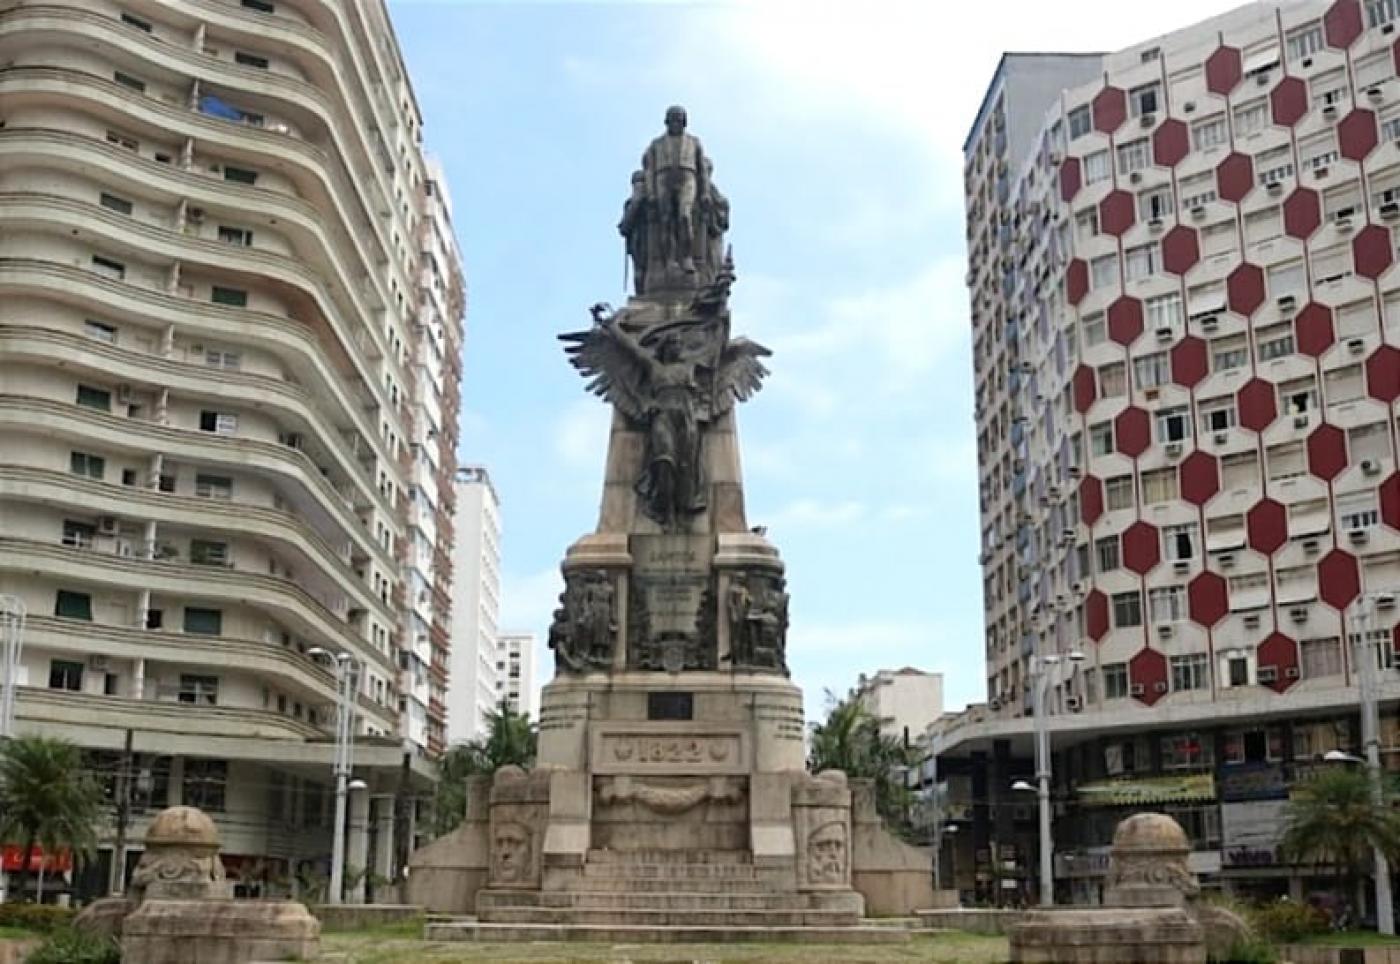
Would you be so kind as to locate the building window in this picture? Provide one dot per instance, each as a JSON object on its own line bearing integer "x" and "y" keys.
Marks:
{"x": 199, "y": 690}
{"x": 1322, "y": 657}
{"x": 1145, "y": 99}
{"x": 1185, "y": 751}
{"x": 1160, "y": 486}
{"x": 1286, "y": 461}
{"x": 112, "y": 269}
{"x": 1380, "y": 12}
{"x": 78, "y": 535}
{"x": 1103, "y": 271}
{"x": 1101, "y": 438}
{"x": 131, "y": 20}
{"x": 230, "y": 360}
{"x": 1174, "y": 424}
{"x": 1236, "y": 674}
{"x": 83, "y": 463}
{"x": 1164, "y": 312}
{"x": 126, "y": 80}
{"x": 1168, "y": 604}
{"x": 250, "y": 60}
{"x": 204, "y": 552}
{"x": 1141, "y": 261}
{"x": 239, "y": 236}
{"x": 1106, "y": 549}
{"x": 99, "y": 331}
{"x": 204, "y": 622}
{"x": 1304, "y": 41}
{"x": 1096, "y": 167}
{"x": 1209, "y": 132}
{"x": 1273, "y": 165}
{"x": 261, "y": 6}
{"x": 1149, "y": 371}
{"x": 1133, "y": 156}
{"x": 1390, "y": 127}
{"x": 1127, "y": 609}
{"x": 1358, "y": 510}
{"x": 122, "y": 140}
{"x": 65, "y": 675}
{"x": 1113, "y": 380}
{"x": 213, "y": 487}
{"x": 236, "y": 297}
{"x": 1118, "y": 492}
{"x": 204, "y": 783}
{"x": 240, "y": 175}
{"x": 1081, "y": 122}
{"x": 1298, "y": 396}
{"x": 221, "y": 423}
{"x": 73, "y": 605}
{"x": 1229, "y": 353}
{"x": 1115, "y": 681}
{"x": 1197, "y": 191}
{"x": 1275, "y": 341}
{"x": 1218, "y": 415}
{"x": 113, "y": 203}
{"x": 1095, "y": 331}
{"x": 1155, "y": 204}
{"x": 97, "y": 398}
{"x": 1179, "y": 542}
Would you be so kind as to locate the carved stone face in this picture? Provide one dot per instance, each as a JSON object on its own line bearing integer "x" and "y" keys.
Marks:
{"x": 512, "y": 852}
{"x": 675, "y": 120}
{"x": 826, "y": 854}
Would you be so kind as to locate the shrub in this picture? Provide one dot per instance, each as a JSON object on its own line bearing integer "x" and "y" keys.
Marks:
{"x": 1252, "y": 950}
{"x": 1286, "y": 921}
{"x": 43, "y": 918}
{"x": 73, "y": 947}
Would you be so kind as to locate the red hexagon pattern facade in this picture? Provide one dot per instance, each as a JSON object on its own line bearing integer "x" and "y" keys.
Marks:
{"x": 1257, "y": 405}
{"x": 1076, "y": 280}
{"x": 1302, "y": 213}
{"x": 1148, "y": 669}
{"x": 1313, "y": 328}
{"x": 1207, "y": 598}
{"x": 1110, "y": 109}
{"x": 1338, "y": 579}
{"x": 1116, "y": 214}
{"x": 1090, "y": 499}
{"x": 1224, "y": 68}
{"x": 1389, "y": 496}
{"x": 1190, "y": 361}
{"x": 1234, "y": 177}
{"x": 1070, "y": 178}
{"x": 1267, "y": 526}
{"x": 1341, "y": 24}
{"x": 1180, "y": 249}
{"x": 1142, "y": 548}
{"x": 1289, "y": 101}
{"x": 1383, "y": 374}
{"x": 1085, "y": 388}
{"x": 1096, "y": 615}
{"x": 1125, "y": 320}
{"x": 1200, "y": 477}
{"x": 1281, "y": 653}
{"x": 1170, "y": 143}
{"x": 1327, "y": 452}
{"x": 1370, "y": 249}
{"x": 1132, "y": 431}
{"x": 1244, "y": 289}
{"x": 1356, "y": 134}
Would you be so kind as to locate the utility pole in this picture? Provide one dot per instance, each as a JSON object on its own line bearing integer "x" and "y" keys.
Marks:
{"x": 116, "y": 876}
{"x": 1367, "y": 657}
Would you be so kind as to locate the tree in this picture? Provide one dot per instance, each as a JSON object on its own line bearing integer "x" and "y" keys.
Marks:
{"x": 850, "y": 740}
{"x": 510, "y": 740}
{"x": 47, "y": 797}
{"x": 1336, "y": 819}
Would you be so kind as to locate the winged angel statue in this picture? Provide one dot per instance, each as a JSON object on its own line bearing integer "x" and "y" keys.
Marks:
{"x": 671, "y": 381}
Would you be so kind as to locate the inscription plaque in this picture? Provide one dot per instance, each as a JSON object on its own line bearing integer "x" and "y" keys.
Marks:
{"x": 671, "y": 587}
{"x": 670, "y": 706}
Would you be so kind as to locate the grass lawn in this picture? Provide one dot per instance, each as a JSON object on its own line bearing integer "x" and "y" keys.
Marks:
{"x": 374, "y": 947}
{"x": 1352, "y": 939}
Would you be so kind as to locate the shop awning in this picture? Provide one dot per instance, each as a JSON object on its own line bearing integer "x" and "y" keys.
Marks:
{"x": 1118, "y": 793}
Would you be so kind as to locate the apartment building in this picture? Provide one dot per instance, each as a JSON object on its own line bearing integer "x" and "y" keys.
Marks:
{"x": 905, "y": 701}
{"x": 476, "y": 606}
{"x": 1185, "y": 329}
{"x": 515, "y": 669}
{"x": 229, "y": 319}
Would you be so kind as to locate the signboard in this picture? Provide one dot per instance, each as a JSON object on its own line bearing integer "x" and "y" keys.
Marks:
{"x": 1252, "y": 781}
{"x": 1118, "y": 793}
{"x": 12, "y": 859}
{"x": 1250, "y": 832}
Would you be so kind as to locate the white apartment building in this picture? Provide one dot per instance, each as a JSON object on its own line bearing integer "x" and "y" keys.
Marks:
{"x": 210, "y": 270}
{"x": 1186, "y": 337}
{"x": 905, "y": 701}
{"x": 515, "y": 672}
{"x": 476, "y": 605}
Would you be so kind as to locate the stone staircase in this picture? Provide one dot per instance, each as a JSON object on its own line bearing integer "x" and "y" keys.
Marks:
{"x": 697, "y": 896}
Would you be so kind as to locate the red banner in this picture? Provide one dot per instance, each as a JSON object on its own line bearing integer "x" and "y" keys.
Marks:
{"x": 12, "y": 859}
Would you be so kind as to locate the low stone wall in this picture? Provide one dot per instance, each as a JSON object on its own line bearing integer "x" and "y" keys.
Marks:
{"x": 359, "y": 916}
{"x": 895, "y": 878}
{"x": 1304, "y": 954}
{"x": 975, "y": 920}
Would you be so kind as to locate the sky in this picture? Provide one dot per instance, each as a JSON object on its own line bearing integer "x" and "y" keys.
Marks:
{"x": 836, "y": 131}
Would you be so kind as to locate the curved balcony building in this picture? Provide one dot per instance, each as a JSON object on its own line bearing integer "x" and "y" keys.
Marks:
{"x": 230, "y": 319}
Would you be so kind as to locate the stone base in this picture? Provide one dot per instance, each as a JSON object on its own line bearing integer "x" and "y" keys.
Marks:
{"x": 663, "y": 934}
{"x": 104, "y": 917}
{"x": 219, "y": 932}
{"x": 1108, "y": 936}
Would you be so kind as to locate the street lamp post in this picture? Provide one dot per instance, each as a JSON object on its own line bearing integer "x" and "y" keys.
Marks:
{"x": 346, "y": 673}
{"x": 12, "y": 640}
{"x": 1366, "y": 660}
{"x": 1041, "y": 667}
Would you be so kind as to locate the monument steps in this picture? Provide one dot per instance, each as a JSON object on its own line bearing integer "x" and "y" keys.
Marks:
{"x": 669, "y": 917}
{"x": 660, "y": 900}
{"x": 647, "y": 858}
{"x": 633, "y": 884}
{"x": 655, "y": 934}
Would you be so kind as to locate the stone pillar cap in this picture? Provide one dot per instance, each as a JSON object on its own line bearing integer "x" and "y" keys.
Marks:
{"x": 182, "y": 827}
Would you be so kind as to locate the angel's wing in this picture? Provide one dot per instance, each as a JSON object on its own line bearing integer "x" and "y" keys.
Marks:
{"x": 740, "y": 373}
{"x": 615, "y": 374}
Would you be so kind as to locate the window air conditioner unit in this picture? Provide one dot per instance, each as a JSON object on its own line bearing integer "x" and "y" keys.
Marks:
{"x": 195, "y": 215}
{"x": 1151, "y": 394}
{"x": 1189, "y": 107}
{"x": 1181, "y": 566}
{"x": 1299, "y": 614}
{"x": 1210, "y": 323}
{"x": 1221, "y": 438}
{"x": 1056, "y": 157}
{"x": 1164, "y": 334}
{"x": 1375, "y": 93}
{"x": 1198, "y": 212}
{"x": 1075, "y": 472}
{"x": 1390, "y": 210}
{"x": 1080, "y": 586}
{"x": 1287, "y": 302}
{"x": 1148, "y": 120}
{"x": 1344, "y": 225}
{"x": 1136, "y": 689}
{"x": 1262, "y": 78}
{"x": 1227, "y": 560}
{"x": 1155, "y": 224}
{"x": 1074, "y": 703}
{"x": 1160, "y": 686}
{"x": 107, "y": 525}
{"x": 1165, "y": 630}
{"x": 1251, "y": 621}
{"x": 1356, "y": 345}
{"x": 1135, "y": 177}
{"x": 1173, "y": 449}
{"x": 1310, "y": 546}
{"x": 1330, "y": 112}
{"x": 1300, "y": 421}
{"x": 1370, "y": 467}
{"x": 1359, "y": 537}
{"x": 1385, "y": 603}
{"x": 1267, "y": 674}
{"x": 1291, "y": 672}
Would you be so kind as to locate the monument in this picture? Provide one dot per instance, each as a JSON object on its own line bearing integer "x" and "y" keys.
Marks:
{"x": 670, "y": 785}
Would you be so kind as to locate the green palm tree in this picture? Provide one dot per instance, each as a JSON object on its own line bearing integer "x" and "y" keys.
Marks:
{"x": 850, "y": 739}
{"x": 1335, "y": 819}
{"x": 47, "y": 797}
{"x": 510, "y": 740}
